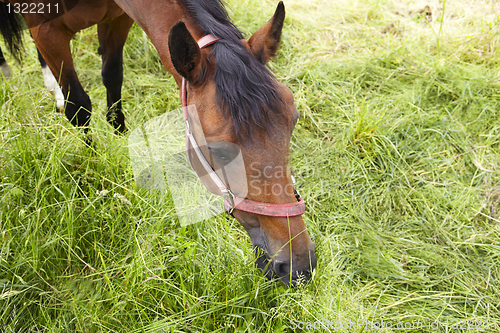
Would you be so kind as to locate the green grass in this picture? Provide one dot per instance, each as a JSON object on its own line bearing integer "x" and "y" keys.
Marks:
{"x": 397, "y": 155}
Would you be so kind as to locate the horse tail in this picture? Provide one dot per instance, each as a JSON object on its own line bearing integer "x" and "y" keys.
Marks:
{"x": 11, "y": 28}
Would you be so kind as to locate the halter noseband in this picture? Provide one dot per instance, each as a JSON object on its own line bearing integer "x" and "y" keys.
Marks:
{"x": 232, "y": 202}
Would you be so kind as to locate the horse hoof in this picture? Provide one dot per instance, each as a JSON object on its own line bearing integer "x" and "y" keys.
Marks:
{"x": 120, "y": 130}
{"x": 89, "y": 141}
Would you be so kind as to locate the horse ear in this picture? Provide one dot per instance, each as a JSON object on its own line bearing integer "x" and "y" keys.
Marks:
{"x": 265, "y": 42}
{"x": 184, "y": 51}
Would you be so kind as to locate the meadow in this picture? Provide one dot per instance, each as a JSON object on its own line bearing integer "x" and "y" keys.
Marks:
{"x": 397, "y": 155}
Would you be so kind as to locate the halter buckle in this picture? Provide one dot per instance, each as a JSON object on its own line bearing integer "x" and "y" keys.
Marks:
{"x": 295, "y": 192}
{"x": 229, "y": 198}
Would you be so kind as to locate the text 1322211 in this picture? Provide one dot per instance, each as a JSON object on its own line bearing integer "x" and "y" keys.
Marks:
{"x": 33, "y": 8}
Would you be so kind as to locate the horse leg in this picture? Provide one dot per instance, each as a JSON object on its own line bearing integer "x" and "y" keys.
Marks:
{"x": 4, "y": 67}
{"x": 54, "y": 47}
{"x": 51, "y": 83}
{"x": 112, "y": 37}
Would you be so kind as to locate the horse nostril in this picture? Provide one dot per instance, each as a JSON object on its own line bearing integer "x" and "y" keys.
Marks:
{"x": 281, "y": 268}
{"x": 290, "y": 275}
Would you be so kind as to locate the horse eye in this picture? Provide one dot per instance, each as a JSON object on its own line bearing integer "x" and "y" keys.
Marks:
{"x": 219, "y": 154}
{"x": 224, "y": 152}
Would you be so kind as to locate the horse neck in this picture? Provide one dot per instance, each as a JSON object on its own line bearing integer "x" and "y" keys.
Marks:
{"x": 156, "y": 18}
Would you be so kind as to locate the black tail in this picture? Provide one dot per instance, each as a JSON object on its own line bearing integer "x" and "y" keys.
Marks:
{"x": 11, "y": 28}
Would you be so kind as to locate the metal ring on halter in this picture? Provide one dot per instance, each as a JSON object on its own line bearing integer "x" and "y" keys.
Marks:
{"x": 229, "y": 197}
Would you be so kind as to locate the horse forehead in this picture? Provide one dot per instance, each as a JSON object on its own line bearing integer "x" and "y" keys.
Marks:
{"x": 218, "y": 124}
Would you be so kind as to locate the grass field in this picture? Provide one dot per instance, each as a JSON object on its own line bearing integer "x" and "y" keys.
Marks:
{"x": 397, "y": 154}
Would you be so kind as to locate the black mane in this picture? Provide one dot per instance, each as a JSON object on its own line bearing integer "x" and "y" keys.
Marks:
{"x": 245, "y": 88}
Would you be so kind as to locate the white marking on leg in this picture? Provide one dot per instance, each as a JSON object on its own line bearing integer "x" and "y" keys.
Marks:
{"x": 53, "y": 87}
{"x": 5, "y": 70}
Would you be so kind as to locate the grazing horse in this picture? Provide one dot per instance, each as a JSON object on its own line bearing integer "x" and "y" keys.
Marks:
{"x": 237, "y": 98}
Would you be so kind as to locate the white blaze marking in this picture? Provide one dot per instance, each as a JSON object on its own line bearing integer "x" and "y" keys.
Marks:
{"x": 53, "y": 87}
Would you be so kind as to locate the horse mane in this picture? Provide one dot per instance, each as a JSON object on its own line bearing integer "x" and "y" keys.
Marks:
{"x": 246, "y": 89}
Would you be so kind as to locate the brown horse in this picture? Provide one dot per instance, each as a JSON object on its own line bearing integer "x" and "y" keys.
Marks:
{"x": 238, "y": 100}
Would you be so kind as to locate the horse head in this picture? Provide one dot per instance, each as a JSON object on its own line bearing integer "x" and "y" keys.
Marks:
{"x": 240, "y": 104}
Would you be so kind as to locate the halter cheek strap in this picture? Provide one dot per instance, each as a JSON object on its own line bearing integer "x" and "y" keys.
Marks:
{"x": 232, "y": 202}
{"x": 204, "y": 41}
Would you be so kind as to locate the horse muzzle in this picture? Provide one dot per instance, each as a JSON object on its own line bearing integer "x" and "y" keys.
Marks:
{"x": 289, "y": 270}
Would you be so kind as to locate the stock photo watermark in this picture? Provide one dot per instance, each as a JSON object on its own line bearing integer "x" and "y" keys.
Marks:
{"x": 374, "y": 325}
{"x": 46, "y": 10}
